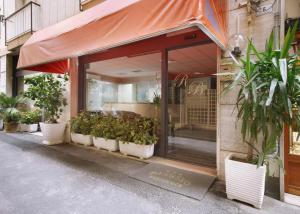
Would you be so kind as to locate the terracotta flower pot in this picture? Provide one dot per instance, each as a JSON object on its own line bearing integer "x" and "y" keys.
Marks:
{"x": 10, "y": 127}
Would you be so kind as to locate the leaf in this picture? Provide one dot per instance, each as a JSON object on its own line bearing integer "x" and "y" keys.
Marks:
{"x": 270, "y": 44}
{"x": 285, "y": 99}
{"x": 283, "y": 69}
{"x": 289, "y": 38}
{"x": 255, "y": 51}
{"x": 248, "y": 61}
{"x": 271, "y": 92}
{"x": 254, "y": 94}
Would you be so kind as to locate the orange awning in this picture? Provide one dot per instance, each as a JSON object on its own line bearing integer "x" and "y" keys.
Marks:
{"x": 114, "y": 23}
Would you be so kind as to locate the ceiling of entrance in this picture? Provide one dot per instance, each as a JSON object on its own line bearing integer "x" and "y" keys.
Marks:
{"x": 201, "y": 60}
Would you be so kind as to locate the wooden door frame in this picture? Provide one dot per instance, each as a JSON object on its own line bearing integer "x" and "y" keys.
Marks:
{"x": 287, "y": 159}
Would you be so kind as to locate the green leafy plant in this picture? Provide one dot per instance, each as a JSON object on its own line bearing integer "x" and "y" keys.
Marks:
{"x": 82, "y": 124}
{"x": 268, "y": 97}
{"x": 156, "y": 99}
{"x": 139, "y": 131}
{"x": 31, "y": 117}
{"x": 9, "y": 110}
{"x": 107, "y": 127}
{"x": 47, "y": 92}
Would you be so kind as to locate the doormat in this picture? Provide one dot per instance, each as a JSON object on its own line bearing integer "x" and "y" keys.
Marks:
{"x": 180, "y": 181}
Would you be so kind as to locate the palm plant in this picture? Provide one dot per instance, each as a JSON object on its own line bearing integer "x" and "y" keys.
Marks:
{"x": 9, "y": 107}
{"x": 268, "y": 97}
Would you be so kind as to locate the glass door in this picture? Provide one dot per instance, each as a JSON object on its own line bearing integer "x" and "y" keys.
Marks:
{"x": 192, "y": 98}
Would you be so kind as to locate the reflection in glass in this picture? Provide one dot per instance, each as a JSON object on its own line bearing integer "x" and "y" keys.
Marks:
{"x": 295, "y": 145}
{"x": 124, "y": 85}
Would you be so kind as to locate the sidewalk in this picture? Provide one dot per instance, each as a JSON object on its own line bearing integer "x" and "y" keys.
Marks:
{"x": 68, "y": 179}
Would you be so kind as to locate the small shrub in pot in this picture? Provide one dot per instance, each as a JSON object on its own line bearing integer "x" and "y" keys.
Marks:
{"x": 138, "y": 137}
{"x": 106, "y": 131}
{"x": 29, "y": 120}
{"x": 47, "y": 92}
{"x": 81, "y": 127}
{"x": 9, "y": 110}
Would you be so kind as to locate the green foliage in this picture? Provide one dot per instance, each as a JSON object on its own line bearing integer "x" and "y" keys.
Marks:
{"x": 156, "y": 99}
{"x": 31, "y": 117}
{"x": 268, "y": 97}
{"x": 82, "y": 124}
{"x": 139, "y": 131}
{"x": 47, "y": 92}
{"x": 9, "y": 110}
{"x": 108, "y": 127}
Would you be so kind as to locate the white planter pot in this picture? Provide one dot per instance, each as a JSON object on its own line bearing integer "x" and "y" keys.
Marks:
{"x": 82, "y": 139}
{"x": 1, "y": 124}
{"x": 53, "y": 133}
{"x": 28, "y": 127}
{"x": 141, "y": 151}
{"x": 245, "y": 182}
{"x": 110, "y": 145}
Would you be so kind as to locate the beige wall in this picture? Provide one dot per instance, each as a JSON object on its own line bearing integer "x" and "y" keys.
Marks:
{"x": 292, "y": 8}
{"x": 229, "y": 136}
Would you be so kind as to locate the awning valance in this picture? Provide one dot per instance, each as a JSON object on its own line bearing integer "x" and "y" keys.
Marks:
{"x": 114, "y": 23}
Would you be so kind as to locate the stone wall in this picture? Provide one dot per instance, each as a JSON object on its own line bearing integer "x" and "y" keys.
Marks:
{"x": 258, "y": 30}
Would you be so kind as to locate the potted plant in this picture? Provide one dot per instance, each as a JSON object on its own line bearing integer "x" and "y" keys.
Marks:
{"x": 156, "y": 102}
{"x": 138, "y": 137}
{"x": 46, "y": 91}
{"x": 105, "y": 133}
{"x": 10, "y": 112}
{"x": 81, "y": 129}
{"x": 269, "y": 90}
{"x": 29, "y": 121}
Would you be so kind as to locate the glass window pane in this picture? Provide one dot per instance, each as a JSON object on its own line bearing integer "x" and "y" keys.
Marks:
{"x": 124, "y": 85}
{"x": 192, "y": 99}
{"x": 295, "y": 144}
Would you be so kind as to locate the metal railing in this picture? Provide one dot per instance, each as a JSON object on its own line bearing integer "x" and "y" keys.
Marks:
{"x": 23, "y": 21}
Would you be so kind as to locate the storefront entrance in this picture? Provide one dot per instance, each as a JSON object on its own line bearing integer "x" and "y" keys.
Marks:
{"x": 176, "y": 86}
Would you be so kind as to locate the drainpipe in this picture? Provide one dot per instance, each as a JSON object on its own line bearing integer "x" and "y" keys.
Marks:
{"x": 277, "y": 24}
{"x": 279, "y": 28}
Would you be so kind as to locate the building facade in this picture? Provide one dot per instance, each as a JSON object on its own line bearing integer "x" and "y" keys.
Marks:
{"x": 197, "y": 113}
{"x": 21, "y": 18}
